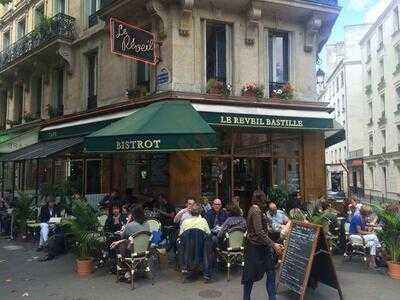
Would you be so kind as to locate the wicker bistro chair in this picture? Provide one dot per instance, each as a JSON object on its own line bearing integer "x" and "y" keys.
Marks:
{"x": 234, "y": 253}
{"x": 354, "y": 248}
{"x": 139, "y": 258}
{"x": 154, "y": 224}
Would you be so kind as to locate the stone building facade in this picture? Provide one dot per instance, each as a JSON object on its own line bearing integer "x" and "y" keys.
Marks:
{"x": 381, "y": 141}
{"x": 59, "y": 69}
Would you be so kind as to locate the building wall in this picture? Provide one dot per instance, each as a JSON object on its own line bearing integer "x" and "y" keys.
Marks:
{"x": 384, "y": 153}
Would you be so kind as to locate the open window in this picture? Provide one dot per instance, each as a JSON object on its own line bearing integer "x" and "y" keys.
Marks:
{"x": 278, "y": 59}
{"x": 6, "y": 39}
{"x": 92, "y": 67}
{"x": 39, "y": 14}
{"x": 218, "y": 49}
{"x": 21, "y": 28}
{"x": 57, "y": 108}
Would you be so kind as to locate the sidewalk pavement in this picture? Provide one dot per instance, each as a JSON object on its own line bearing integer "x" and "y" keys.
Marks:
{"x": 23, "y": 276}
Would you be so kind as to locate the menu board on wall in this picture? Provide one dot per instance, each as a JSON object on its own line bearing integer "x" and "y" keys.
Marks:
{"x": 159, "y": 170}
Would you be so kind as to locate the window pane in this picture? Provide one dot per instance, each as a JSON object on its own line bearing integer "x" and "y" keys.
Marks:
{"x": 278, "y": 57}
{"x": 76, "y": 174}
{"x": 279, "y": 171}
{"x": 252, "y": 144}
{"x": 293, "y": 175}
{"x": 216, "y": 51}
{"x": 285, "y": 145}
{"x": 93, "y": 176}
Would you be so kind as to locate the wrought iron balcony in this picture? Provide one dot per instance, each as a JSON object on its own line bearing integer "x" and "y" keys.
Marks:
{"x": 60, "y": 26}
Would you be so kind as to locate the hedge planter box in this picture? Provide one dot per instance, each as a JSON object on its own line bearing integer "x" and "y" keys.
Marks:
{"x": 394, "y": 270}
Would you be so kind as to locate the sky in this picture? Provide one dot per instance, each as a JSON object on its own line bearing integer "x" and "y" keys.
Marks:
{"x": 354, "y": 12}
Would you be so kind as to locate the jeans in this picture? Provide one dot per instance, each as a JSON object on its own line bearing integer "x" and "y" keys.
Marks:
{"x": 44, "y": 234}
{"x": 371, "y": 241}
{"x": 269, "y": 284}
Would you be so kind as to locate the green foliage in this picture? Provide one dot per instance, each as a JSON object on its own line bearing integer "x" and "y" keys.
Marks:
{"x": 390, "y": 233}
{"x": 317, "y": 215}
{"x": 44, "y": 25}
{"x": 24, "y": 210}
{"x": 278, "y": 195}
{"x": 84, "y": 228}
{"x": 4, "y": 2}
{"x": 63, "y": 191}
{"x": 216, "y": 86}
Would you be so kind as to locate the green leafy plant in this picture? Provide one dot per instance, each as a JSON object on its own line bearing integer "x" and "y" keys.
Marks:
{"x": 317, "y": 215}
{"x": 84, "y": 229}
{"x": 253, "y": 89}
{"x": 284, "y": 92}
{"x": 24, "y": 210}
{"x": 278, "y": 195}
{"x": 63, "y": 191}
{"x": 218, "y": 87}
{"x": 390, "y": 233}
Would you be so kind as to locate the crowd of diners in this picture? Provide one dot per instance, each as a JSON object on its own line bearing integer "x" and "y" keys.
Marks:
{"x": 266, "y": 227}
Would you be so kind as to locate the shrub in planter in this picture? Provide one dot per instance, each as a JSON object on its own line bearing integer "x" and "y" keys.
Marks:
{"x": 84, "y": 229}
{"x": 253, "y": 90}
{"x": 284, "y": 92}
{"x": 216, "y": 87}
{"x": 390, "y": 237}
{"x": 24, "y": 210}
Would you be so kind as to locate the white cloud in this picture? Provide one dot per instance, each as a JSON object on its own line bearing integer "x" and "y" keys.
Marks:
{"x": 374, "y": 11}
{"x": 360, "y": 5}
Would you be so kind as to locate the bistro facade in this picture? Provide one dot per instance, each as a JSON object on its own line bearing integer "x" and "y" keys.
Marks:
{"x": 202, "y": 147}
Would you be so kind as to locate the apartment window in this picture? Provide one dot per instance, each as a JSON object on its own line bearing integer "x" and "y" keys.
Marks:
{"x": 380, "y": 36}
{"x": 371, "y": 171}
{"x": 278, "y": 50}
{"x": 6, "y": 39}
{"x": 383, "y": 104}
{"x": 92, "y": 65}
{"x": 21, "y": 28}
{"x": 369, "y": 77}
{"x": 18, "y": 103}
{"x": 94, "y": 6}
{"x": 382, "y": 69}
{"x": 340, "y": 154}
{"x": 218, "y": 52}
{"x": 383, "y": 132}
{"x": 341, "y": 79}
{"x": 93, "y": 176}
{"x": 337, "y": 84}
{"x": 37, "y": 92}
{"x": 335, "y": 155}
{"x": 3, "y": 109}
{"x": 371, "y": 145}
{"x": 60, "y": 6}
{"x": 338, "y": 107}
{"x": 396, "y": 19}
{"x": 143, "y": 77}
{"x": 39, "y": 14}
{"x": 345, "y": 152}
{"x": 58, "y": 94}
{"x": 369, "y": 49}
{"x": 370, "y": 111}
{"x": 343, "y": 104}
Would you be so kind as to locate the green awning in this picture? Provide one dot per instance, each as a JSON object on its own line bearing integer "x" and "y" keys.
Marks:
{"x": 17, "y": 138}
{"x": 160, "y": 127}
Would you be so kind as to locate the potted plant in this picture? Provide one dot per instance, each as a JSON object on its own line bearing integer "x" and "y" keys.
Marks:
{"x": 278, "y": 195}
{"x": 216, "y": 87}
{"x": 253, "y": 90}
{"x": 84, "y": 229}
{"x": 23, "y": 212}
{"x": 390, "y": 237}
{"x": 284, "y": 92}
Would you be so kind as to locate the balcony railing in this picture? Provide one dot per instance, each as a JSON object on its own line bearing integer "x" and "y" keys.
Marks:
{"x": 60, "y": 26}
{"x": 356, "y": 154}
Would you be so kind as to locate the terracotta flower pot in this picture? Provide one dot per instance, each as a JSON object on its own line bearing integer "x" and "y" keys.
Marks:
{"x": 84, "y": 267}
{"x": 249, "y": 94}
{"x": 394, "y": 270}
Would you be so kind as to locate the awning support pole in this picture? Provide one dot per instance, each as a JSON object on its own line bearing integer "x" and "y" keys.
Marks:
{"x": 37, "y": 181}
{"x": 2, "y": 178}
{"x": 13, "y": 182}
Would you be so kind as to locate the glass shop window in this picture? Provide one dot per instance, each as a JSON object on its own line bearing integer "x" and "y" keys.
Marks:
{"x": 93, "y": 176}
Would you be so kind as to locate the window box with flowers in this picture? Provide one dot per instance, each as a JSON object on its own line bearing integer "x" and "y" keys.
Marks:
{"x": 220, "y": 88}
{"x": 253, "y": 90}
{"x": 284, "y": 92}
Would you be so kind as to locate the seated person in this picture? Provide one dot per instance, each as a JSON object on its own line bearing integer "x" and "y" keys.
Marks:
{"x": 216, "y": 216}
{"x": 196, "y": 221}
{"x": 353, "y": 208}
{"x": 277, "y": 217}
{"x": 234, "y": 221}
{"x": 50, "y": 210}
{"x": 184, "y": 214}
{"x": 111, "y": 199}
{"x": 136, "y": 223}
{"x": 236, "y": 201}
{"x": 128, "y": 199}
{"x": 165, "y": 210}
{"x": 359, "y": 233}
{"x": 115, "y": 220}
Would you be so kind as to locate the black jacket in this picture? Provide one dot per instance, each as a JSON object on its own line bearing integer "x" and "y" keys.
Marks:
{"x": 45, "y": 213}
{"x": 195, "y": 251}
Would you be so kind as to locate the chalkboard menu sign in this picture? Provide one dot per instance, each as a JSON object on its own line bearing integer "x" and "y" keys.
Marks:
{"x": 307, "y": 255}
{"x": 132, "y": 42}
{"x": 159, "y": 170}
